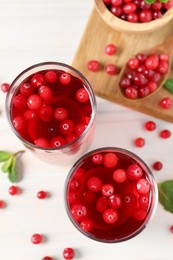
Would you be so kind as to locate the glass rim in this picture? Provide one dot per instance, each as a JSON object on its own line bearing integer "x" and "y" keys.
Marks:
{"x": 92, "y": 99}
{"x": 151, "y": 210}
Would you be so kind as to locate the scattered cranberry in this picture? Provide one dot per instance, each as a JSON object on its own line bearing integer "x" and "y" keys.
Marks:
{"x": 150, "y": 125}
{"x": 13, "y": 190}
{"x": 111, "y": 69}
{"x": 68, "y": 253}
{"x": 36, "y": 239}
{"x": 139, "y": 142}
{"x": 110, "y": 49}
{"x": 165, "y": 134}
{"x": 157, "y": 166}
{"x": 93, "y": 65}
{"x": 5, "y": 87}
{"x": 110, "y": 215}
{"x": 42, "y": 195}
{"x": 2, "y": 204}
{"x": 47, "y": 258}
{"x": 166, "y": 103}
{"x": 171, "y": 228}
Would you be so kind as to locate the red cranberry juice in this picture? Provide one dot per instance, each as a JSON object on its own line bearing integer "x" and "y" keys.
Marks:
{"x": 109, "y": 196}
{"x": 51, "y": 108}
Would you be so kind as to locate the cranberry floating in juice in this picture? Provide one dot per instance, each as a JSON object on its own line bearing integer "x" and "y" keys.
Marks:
{"x": 51, "y": 108}
{"x": 110, "y": 195}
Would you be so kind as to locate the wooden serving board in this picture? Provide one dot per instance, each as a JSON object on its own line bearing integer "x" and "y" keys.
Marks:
{"x": 96, "y": 36}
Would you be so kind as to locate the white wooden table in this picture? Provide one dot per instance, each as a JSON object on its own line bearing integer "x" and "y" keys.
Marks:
{"x": 39, "y": 30}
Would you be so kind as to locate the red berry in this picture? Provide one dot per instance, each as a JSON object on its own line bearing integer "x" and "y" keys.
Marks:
{"x": 152, "y": 62}
{"x": 67, "y": 126}
{"x": 13, "y": 190}
{"x": 2, "y": 204}
{"x": 111, "y": 69}
{"x": 129, "y": 8}
{"x": 97, "y": 159}
{"x": 134, "y": 172}
{"x": 19, "y": 122}
{"x": 107, "y": 190}
{"x": 65, "y": 78}
{"x": 132, "y": 18}
{"x": 19, "y": 101}
{"x": 165, "y": 134}
{"x": 133, "y": 63}
{"x": 89, "y": 196}
{"x": 157, "y": 166}
{"x": 34, "y": 101}
{"x": 115, "y": 201}
{"x": 139, "y": 142}
{"x": 47, "y": 258}
{"x": 45, "y": 93}
{"x": 36, "y": 239}
{"x": 101, "y": 204}
{"x": 163, "y": 67}
{"x": 171, "y": 228}
{"x": 46, "y": 113}
{"x": 68, "y": 253}
{"x": 38, "y": 80}
{"x": 42, "y": 142}
{"x": 74, "y": 185}
{"x": 144, "y": 200}
{"x": 60, "y": 113}
{"x": 131, "y": 93}
{"x": 130, "y": 200}
{"x": 145, "y": 16}
{"x": 110, "y": 215}
{"x": 5, "y": 87}
{"x": 119, "y": 175}
{"x": 70, "y": 138}
{"x": 41, "y": 194}
{"x": 57, "y": 141}
{"x": 80, "y": 128}
{"x": 150, "y": 125}
{"x": 142, "y": 186}
{"x": 164, "y": 57}
{"x": 94, "y": 184}
{"x": 139, "y": 213}
{"x": 51, "y": 76}
{"x": 110, "y": 160}
{"x": 166, "y": 103}
{"x": 82, "y": 95}
{"x": 79, "y": 173}
{"x": 30, "y": 114}
{"x": 93, "y": 65}
{"x": 110, "y": 49}
{"x": 26, "y": 89}
{"x": 86, "y": 224}
{"x": 78, "y": 212}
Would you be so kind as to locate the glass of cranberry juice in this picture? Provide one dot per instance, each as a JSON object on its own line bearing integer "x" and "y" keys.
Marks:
{"x": 110, "y": 195}
{"x": 51, "y": 108}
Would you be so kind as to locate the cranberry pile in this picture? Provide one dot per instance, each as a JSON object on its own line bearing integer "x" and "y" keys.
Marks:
{"x": 109, "y": 191}
{"x": 137, "y": 11}
{"x": 143, "y": 74}
{"x": 51, "y": 108}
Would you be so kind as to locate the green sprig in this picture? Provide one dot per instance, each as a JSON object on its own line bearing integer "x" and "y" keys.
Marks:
{"x": 9, "y": 164}
{"x": 166, "y": 195}
{"x": 169, "y": 85}
{"x": 153, "y": 1}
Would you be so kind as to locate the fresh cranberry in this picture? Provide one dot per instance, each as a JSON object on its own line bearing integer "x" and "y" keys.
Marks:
{"x": 46, "y": 113}
{"x": 73, "y": 198}
{"x": 110, "y": 49}
{"x": 116, "y": 2}
{"x": 60, "y": 113}
{"x": 132, "y": 18}
{"x": 134, "y": 172}
{"x": 42, "y": 142}
{"x": 165, "y": 134}
{"x": 164, "y": 57}
{"x": 157, "y": 14}
{"x": 79, "y": 129}
{"x": 68, "y": 253}
{"x": 152, "y": 86}
{"x": 163, "y": 67}
{"x": 13, "y": 190}
{"x": 89, "y": 196}
{"x": 97, "y": 159}
{"x": 110, "y": 160}
{"x": 51, "y": 76}
{"x": 131, "y": 93}
{"x": 157, "y": 6}
{"x": 70, "y": 138}
{"x": 36, "y": 239}
{"x": 86, "y": 224}
{"x": 74, "y": 185}
{"x": 2, "y": 204}
{"x": 133, "y": 63}
{"x": 152, "y": 62}
{"x": 141, "y": 57}
{"x": 110, "y": 215}
{"x": 166, "y": 103}
{"x": 45, "y": 93}
{"x": 144, "y": 200}
{"x": 139, "y": 79}
{"x": 38, "y": 80}
{"x": 101, "y": 204}
{"x": 143, "y": 91}
{"x": 19, "y": 122}
{"x": 26, "y": 89}
{"x": 47, "y": 258}
{"x": 157, "y": 166}
{"x": 41, "y": 194}
{"x": 168, "y": 4}
{"x": 139, "y": 213}
{"x": 19, "y": 101}
{"x": 34, "y": 101}
{"x": 125, "y": 83}
{"x": 139, "y": 142}
{"x": 142, "y": 186}
{"x": 107, "y": 2}
{"x": 116, "y": 10}
{"x": 93, "y": 65}
{"x": 5, "y": 87}
{"x": 171, "y": 228}
{"x": 94, "y": 184}
{"x": 65, "y": 78}
{"x": 119, "y": 175}
{"x": 129, "y": 8}
{"x": 150, "y": 125}
{"x": 82, "y": 95}
{"x": 130, "y": 200}
{"x": 30, "y": 114}
{"x": 156, "y": 77}
{"x": 79, "y": 173}
{"x": 143, "y": 5}
{"x": 111, "y": 69}
{"x": 67, "y": 126}
{"x": 115, "y": 201}
{"x": 107, "y": 190}
{"x": 57, "y": 141}
{"x": 78, "y": 212}
{"x": 145, "y": 16}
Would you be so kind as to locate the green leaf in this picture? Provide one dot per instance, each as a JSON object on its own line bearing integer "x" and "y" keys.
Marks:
{"x": 150, "y": 1}
{"x": 4, "y": 156}
{"x": 6, "y": 165}
{"x": 163, "y": 1}
{"x": 12, "y": 174}
{"x": 166, "y": 195}
{"x": 169, "y": 85}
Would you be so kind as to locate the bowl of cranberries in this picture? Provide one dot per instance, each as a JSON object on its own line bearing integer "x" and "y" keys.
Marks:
{"x": 143, "y": 74}
{"x": 110, "y": 195}
{"x": 135, "y": 15}
{"x": 51, "y": 108}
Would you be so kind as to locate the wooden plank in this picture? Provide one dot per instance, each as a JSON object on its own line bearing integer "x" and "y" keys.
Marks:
{"x": 96, "y": 36}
